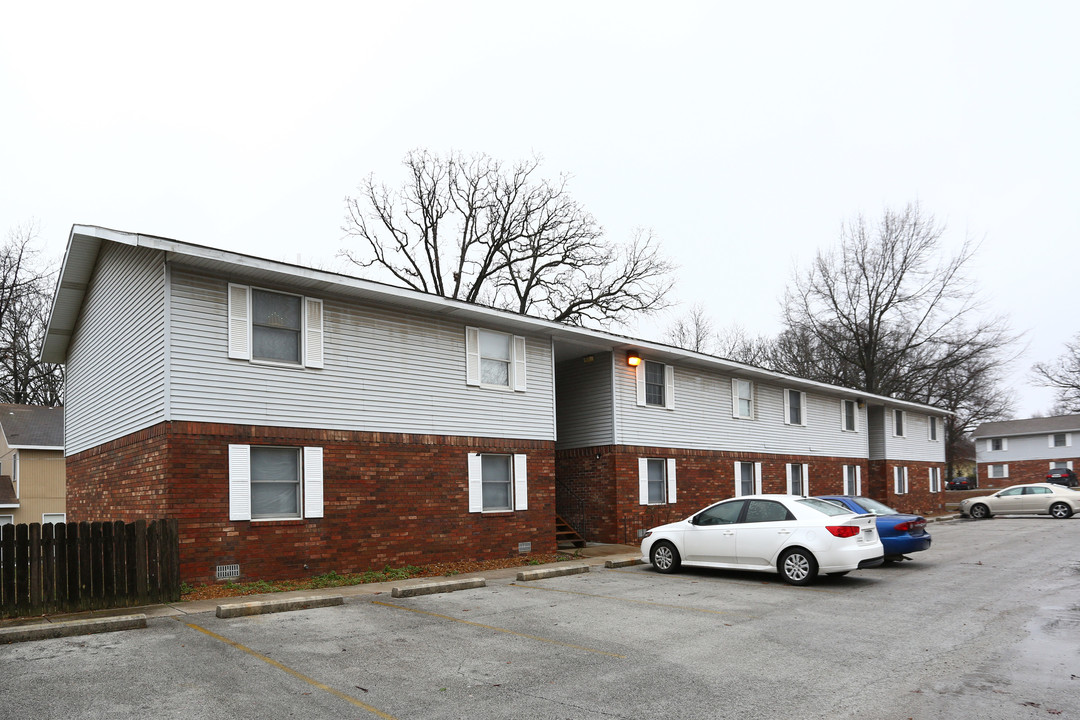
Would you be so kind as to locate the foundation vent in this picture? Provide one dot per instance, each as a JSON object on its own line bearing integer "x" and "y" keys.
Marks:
{"x": 224, "y": 572}
{"x": 525, "y": 547}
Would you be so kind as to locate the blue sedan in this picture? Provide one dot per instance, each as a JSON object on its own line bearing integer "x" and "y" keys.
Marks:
{"x": 900, "y": 534}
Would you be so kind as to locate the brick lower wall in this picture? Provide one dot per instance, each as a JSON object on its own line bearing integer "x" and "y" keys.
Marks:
{"x": 389, "y": 499}
{"x": 1021, "y": 471}
{"x": 918, "y": 499}
{"x": 607, "y": 478}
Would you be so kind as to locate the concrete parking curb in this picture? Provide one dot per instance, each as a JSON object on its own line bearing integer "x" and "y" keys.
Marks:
{"x": 70, "y": 628}
{"x": 441, "y": 586}
{"x": 262, "y": 607}
{"x": 622, "y": 563}
{"x": 543, "y": 573}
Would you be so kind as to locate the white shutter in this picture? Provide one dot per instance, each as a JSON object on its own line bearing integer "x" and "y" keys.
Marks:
{"x": 738, "y": 479}
{"x": 640, "y": 370}
{"x": 671, "y": 480}
{"x": 1005, "y": 470}
{"x": 757, "y": 478}
{"x": 239, "y": 322}
{"x": 669, "y": 387}
{"x": 1004, "y": 443}
{"x": 472, "y": 359}
{"x": 643, "y": 479}
{"x": 1068, "y": 439}
{"x": 313, "y": 482}
{"x": 787, "y": 469}
{"x": 734, "y": 398}
{"x": 519, "y": 363}
{"x": 806, "y": 480}
{"x": 313, "y": 333}
{"x": 906, "y": 486}
{"x": 521, "y": 483}
{"x": 858, "y": 479}
{"x": 476, "y": 483}
{"x": 1050, "y": 440}
{"x": 239, "y": 482}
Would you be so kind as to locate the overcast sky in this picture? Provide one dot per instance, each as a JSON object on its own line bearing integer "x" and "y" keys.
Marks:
{"x": 744, "y": 134}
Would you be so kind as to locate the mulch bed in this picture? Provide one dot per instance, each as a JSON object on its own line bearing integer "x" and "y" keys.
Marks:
{"x": 447, "y": 569}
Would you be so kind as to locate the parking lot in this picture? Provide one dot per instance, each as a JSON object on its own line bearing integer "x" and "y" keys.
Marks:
{"x": 983, "y": 625}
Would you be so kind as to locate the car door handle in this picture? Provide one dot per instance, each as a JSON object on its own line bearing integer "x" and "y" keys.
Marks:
{"x": 783, "y": 532}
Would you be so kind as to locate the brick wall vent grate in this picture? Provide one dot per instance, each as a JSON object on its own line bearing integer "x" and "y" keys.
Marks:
{"x": 224, "y": 572}
{"x": 525, "y": 547}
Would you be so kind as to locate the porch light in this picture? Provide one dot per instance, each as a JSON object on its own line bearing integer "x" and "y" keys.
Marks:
{"x": 632, "y": 358}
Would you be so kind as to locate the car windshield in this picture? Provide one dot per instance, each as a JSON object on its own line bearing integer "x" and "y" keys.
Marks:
{"x": 873, "y": 506}
{"x": 824, "y": 506}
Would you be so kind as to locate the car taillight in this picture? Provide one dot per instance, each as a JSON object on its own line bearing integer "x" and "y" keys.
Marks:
{"x": 843, "y": 531}
{"x": 911, "y": 525}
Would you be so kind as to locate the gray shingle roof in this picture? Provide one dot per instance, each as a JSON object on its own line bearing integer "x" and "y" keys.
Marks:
{"x": 32, "y": 425}
{"x": 1029, "y": 426}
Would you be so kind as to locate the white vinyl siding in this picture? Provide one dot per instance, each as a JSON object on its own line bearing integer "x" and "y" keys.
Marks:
{"x": 656, "y": 481}
{"x": 505, "y": 478}
{"x": 583, "y": 401}
{"x": 385, "y": 371}
{"x": 115, "y": 368}
{"x": 914, "y": 445}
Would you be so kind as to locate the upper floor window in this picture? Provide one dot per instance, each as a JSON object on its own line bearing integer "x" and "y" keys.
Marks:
{"x": 932, "y": 428}
{"x": 498, "y": 482}
{"x": 898, "y": 423}
{"x": 655, "y": 384}
{"x": 796, "y": 407}
{"x": 848, "y": 415}
{"x": 997, "y": 444}
{"x": 1061, "y": 440}
{"x": 742, "y": 398}
{"x": 494, "y": 359}
{"x": 275, "y": 327}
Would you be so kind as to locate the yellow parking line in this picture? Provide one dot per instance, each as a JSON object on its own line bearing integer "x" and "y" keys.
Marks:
{"x": 499, "y": 629}
{"x": 781, "y": 585}
{"x": 631, "y": 600}
{"x": 310, "y": 681}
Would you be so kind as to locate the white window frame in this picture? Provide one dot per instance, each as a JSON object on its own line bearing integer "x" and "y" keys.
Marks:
{"x": 902, "y": 415}
{"x": 802, "y": 407}
{"x": 854, "y": 416}
{"x": 242, "y": 332}
{"x": 1054, "y": 464}
{"x": 736, "y": 398}
{"x": 805, "y": 478}
{"x": 933, "y": 432}
{"x": 1004, "y": 444}
{"x": 669, "y": 481}
{"x": 62, "y": 516}
{"x": 935, "y": 479}
{"x": 1068, "y": 439}
{"x": 669, "y": 385}
{"x": 519, "y": 483}
{"x": 1004, "y": 470}
{"x": 900, "y": 480}
{"x": 7, "y": 520}
{"x": 516, "y": 378}
{"x": 738, "y": 477}
{"x": 311, "y": 484}
{"x": 858, "y": 479}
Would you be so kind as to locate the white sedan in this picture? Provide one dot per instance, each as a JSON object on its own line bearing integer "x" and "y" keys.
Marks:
{"x": 794, "y": 536}
{"x": 1031, "y": 499}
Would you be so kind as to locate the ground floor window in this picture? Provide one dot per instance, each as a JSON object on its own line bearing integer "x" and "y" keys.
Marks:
{"x": 656, "y": 481}
{"x": 852, "y": 480}
{"x": 275, "y": 483}
{"x": 498, "y": 482}
{"x": 53, "y": 518}
{"x": 747, "y": 478}
{"x": 900, "y": 480}
{"x": 7, "y": 520}
{"x": 999, "y": 471}
{"x": 797, "y": 481}
{"x": 935, "y": 480}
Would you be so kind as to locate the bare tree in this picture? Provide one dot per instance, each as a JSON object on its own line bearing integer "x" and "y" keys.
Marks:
{"x": 693, "y": 331}
{"x": 475, "y": 229}
{"x": 25, "y": 297}
{"x": 1063, "y": 375}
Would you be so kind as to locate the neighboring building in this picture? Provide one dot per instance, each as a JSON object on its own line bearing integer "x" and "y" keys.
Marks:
{"x": 1023, "y": 451}
{"x": 297, "y": 421}
{"x": 31, "y": 464}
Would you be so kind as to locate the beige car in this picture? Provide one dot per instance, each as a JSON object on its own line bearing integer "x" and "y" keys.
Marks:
{"x": 1034, "y": 499}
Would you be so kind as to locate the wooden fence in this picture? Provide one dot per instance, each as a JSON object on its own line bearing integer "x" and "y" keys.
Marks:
{"x": 69, "y": 567}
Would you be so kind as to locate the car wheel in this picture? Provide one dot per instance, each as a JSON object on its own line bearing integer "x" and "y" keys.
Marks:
{"x": 665, "y": 557}
{"x": 978, "y": 512}
{"x": 1061, "y": 511}
{"x": 797, "y": 567}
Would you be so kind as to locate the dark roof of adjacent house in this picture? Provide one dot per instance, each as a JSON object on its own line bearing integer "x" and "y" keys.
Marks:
{"x": 1029, "y": 426}
{"x": 7, "y": 492}
{"x": 32, "y": 426}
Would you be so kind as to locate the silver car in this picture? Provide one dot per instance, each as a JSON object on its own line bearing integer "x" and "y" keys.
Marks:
{"x": 1034, "y": 499}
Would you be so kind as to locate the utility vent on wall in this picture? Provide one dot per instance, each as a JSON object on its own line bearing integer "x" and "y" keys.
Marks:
{"x": 228, "y": 571}
{"x": 525, "y": 548}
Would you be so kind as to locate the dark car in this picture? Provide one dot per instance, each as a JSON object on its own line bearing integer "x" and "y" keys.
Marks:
{"x": 960, "y": 483}
{"x": 1062, "y": 476}
{"x": 900, "y": 533}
